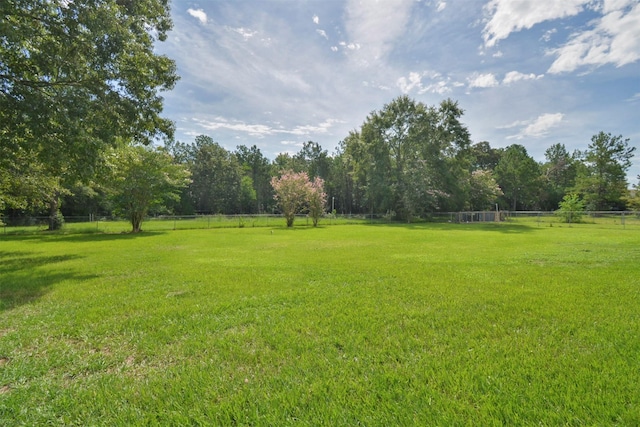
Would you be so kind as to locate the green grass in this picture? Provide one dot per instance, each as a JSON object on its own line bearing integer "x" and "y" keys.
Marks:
{"x": 200, "y": 222}
{"x": 429, "y": 324}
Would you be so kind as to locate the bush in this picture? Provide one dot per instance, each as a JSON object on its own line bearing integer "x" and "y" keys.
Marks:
{"x": 571, "y": 208}
{"x": 56, "y": 221}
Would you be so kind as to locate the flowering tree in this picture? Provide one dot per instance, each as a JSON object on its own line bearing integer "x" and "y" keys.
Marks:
{"x": 291, "y": 193}
{"x": 295, "y": 193}
{"x": 317, "y": 199}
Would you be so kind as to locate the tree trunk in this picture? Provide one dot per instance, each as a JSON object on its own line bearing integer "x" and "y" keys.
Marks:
{"x": 136, "y": 222}
{"x": 290, "y": 219}
{"x": 55, "y": 217}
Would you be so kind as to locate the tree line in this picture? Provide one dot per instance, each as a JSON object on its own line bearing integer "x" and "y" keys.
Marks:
{"x": 407, "y": 160}
{"x": 80, "y": 115}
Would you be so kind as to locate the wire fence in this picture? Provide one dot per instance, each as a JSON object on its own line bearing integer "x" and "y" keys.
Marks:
{"x": 92, "y": 224}
{"x": 600, "y": 219}
{"x": 103, "y": 224}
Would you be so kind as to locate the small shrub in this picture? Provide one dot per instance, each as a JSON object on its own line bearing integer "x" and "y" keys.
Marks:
{"x": 56, "y": 221}
{"x": 571, "y": 209}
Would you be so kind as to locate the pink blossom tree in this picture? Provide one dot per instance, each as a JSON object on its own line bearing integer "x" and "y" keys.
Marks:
{"x": 295, "y": 193}
{"x": 317, "y": 199}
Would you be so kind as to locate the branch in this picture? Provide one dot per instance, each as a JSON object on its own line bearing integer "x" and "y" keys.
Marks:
{"x": 40, "y": 83}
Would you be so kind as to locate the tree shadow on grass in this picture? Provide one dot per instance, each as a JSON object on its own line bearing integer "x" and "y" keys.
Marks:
{"x": 22, "y": 280}
{"x": 501, "y": 227}
{"x": 79, "y": 236}
{"x": 106, "y": 237}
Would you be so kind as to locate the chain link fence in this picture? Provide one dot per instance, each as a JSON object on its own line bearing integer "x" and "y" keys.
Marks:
{"x": 91, "y": 224}
{"x": 601, "y": 219}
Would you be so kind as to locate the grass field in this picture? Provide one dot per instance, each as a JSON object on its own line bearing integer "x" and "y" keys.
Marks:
{"x": 198, "y": 222}
{"x": 428, "y": 324}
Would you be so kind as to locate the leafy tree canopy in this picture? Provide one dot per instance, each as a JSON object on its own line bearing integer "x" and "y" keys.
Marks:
{"x": 412, "y": 158}
{"x": 518, "y": 175}
{"x": 76, "y": 76}
{"x": 143, "y": 178}
{"x": 602, "y": 181}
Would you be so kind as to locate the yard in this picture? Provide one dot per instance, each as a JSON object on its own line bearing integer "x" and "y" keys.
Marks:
{"x": 370, "y": 324}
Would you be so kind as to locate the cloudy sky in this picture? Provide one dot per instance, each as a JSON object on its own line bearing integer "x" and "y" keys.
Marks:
{"x": 277, "y": 73}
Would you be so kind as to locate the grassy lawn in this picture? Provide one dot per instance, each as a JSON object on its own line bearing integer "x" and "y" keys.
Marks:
{"x": 200, "y": 222}
{"x": 428, "y": 324}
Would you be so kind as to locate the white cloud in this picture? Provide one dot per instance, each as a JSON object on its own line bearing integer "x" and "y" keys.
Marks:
{"x": 536, "y": 128}
{"x": 334, "y": 48}
{"x": 217, "y": 123}
{"x": 441, "y": 6}
{"x": 548, "y": 34}
{"x": 406, "y": 85}
{"x": 441, "y": 87}
{"x": 322, "y": 33}
{"x": 414, "y": 82}
{"x": 199, "y": 14}
{"x": 612, "y": 5}
{"x": 507, "y": 16}
{"x": 482, "y": 80}
{"x": 321, "y": 128}
{"x": 245, "y": 32}
{"x": 375, "y": 26}
{"x": 634, "y": 98}
{"x": 498, "y": 54}
{"x": 316, "y": 19}
{"x": 515, "y": 76}
{"x": 292, "y": 143}
{"x": 263, "y": 130}
{"x": 376, "y": 85}
{"x": 517, "y": 123}
{"x": 350, "y": 46}
{"x": 614, "y": 39}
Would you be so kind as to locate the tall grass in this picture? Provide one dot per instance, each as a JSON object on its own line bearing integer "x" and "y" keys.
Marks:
{"x": 431, "y": 324}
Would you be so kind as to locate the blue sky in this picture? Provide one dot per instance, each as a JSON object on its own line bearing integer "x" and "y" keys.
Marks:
{"x": 279, "y": 73}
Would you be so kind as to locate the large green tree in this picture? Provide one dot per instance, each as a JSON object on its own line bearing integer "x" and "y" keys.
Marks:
{"x": 484, "y": 190}
{"x": 518, "y": 175}
{"x": 412, "y": 159}
{"x": 559, "y": 175}
{"x": 484, "y": 157}
{"x": 602, "y": 182}
{"x": 348, "y": 175}
{"x": 314, "y": 160}
{"x": 217, "y": 178}
{"x": 257, "y": 167}
{"x": 77, "y": 77}
{"x": 632, "y": 199}
{"x": 143, "y": 178}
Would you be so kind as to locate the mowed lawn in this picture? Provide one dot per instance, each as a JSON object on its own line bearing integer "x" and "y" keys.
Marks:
{"x": 375, "y": 325}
